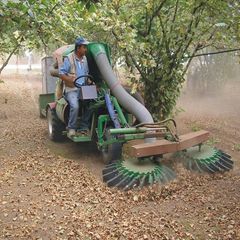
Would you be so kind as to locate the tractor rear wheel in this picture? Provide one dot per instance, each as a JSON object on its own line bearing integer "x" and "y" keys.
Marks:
{"x": 55, "y": 126}
{"x": 112, "y": 152}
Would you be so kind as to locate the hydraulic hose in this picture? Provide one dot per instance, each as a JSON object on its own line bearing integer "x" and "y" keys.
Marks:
{"x": 111, "y": 111}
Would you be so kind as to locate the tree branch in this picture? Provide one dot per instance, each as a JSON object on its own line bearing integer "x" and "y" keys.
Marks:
{"x": 8, "y": 58}
{"x": 175, "y": 12}
{"x": 189, "y": 28}
{"x": 165, "y": 39}
{"x": 131, "y": 56}
{"x": 153, "y": 15}
{"x": 189, "y": 61}
{"x": 39, "y": 27}
{"x": 53, "y": 8}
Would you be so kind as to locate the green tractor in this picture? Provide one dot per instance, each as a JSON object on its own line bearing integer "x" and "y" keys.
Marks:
{"x": 119, "y": 117}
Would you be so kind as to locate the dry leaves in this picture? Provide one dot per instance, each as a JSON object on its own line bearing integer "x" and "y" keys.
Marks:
{"x": 49, "y": 194}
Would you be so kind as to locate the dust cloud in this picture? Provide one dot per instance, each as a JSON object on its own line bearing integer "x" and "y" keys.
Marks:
{"x": 212, "y": 88}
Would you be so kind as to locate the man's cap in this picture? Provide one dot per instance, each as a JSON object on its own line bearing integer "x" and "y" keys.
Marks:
{"x": 81, "y": 41}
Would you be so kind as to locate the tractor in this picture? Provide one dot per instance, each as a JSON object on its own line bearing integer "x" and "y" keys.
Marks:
{"x": 119, "y": 117}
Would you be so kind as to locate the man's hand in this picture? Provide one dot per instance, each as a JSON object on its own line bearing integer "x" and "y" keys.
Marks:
{"x": 69, "y": 80}
{"x": 90, "y": 82}
{"x": 72, "y": 77}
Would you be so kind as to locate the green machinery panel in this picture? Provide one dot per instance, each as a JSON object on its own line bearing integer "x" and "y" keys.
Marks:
{"x": 44, "y": 99}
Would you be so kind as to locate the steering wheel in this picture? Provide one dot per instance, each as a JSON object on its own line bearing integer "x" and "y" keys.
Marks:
{"x": 78, "y": 85}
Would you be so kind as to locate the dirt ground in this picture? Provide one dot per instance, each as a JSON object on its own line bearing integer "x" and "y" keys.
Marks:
{"x": 54, "y": 191}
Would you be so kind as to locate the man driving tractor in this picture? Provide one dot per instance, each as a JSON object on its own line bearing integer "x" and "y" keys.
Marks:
{"x": 74, "y": 66}
{"x": 112, "y": 110}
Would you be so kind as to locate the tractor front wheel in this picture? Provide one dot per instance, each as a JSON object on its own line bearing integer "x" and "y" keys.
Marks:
{"x": 55, "y": 126}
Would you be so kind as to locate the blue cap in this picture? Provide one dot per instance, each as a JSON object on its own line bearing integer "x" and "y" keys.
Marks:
{"x": 81, "y": 41}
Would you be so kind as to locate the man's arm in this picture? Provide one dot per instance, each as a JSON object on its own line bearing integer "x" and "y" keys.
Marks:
{"x": 65, "y": 74}
{"x": 68, "y": 80}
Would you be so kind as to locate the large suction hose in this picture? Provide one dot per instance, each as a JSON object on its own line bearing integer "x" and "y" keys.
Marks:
{"x": 124, "y": 98}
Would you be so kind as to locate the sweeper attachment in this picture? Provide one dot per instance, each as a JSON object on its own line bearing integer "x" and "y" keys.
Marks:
{"x": 119, "y": 120}
{"x": 143, "y": 165}
{"x": 206, "y": 159}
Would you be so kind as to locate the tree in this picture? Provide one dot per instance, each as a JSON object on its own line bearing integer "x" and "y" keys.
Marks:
{"x": 156, "y": 37}
{"x": 36, "y": 25}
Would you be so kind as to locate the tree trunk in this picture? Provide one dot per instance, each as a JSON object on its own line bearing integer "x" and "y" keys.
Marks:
{"x": 8, "y": 58}
{"x": 154, "y": 98}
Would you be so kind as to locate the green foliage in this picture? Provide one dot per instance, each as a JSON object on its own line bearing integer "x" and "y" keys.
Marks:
{"x": 39, "y": 24}
{"x": 151, "y": 37}
{"x": 43, "y": 25}
{"x": 156, "y": 36}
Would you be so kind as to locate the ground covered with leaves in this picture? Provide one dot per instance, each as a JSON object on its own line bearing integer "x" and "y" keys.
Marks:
{"x": 54, "y": 191}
